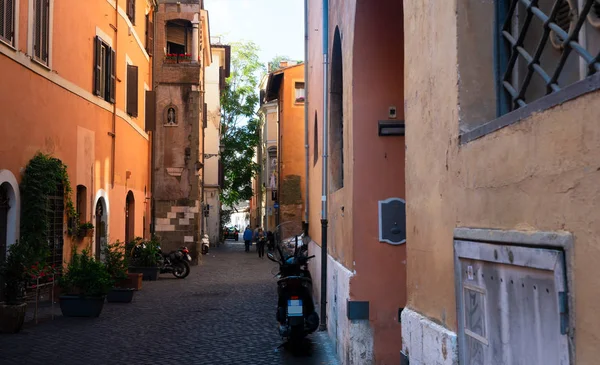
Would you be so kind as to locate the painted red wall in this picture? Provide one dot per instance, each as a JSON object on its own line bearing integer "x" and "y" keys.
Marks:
{"x": 378, "y": 75}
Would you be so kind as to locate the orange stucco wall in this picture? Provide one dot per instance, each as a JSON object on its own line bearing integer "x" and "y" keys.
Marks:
{"x": 54, "y": 111}
{"x": 291, "y": 148}
{"x": 538, "y": 174}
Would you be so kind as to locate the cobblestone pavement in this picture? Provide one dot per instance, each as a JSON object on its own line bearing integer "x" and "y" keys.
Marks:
{"x": 223, "y": 313}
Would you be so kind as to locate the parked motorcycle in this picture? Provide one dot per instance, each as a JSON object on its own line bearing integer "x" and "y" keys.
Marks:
{"x": 295, "y": 310}
{"x": 175, "y": 262}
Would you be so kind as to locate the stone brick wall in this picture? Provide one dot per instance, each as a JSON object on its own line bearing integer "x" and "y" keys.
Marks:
{"x": 177, "y": 225}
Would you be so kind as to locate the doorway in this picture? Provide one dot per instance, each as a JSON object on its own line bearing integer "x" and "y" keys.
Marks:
{"x": 4, "y": 207}
{"x": 101, "y": 223}
{"x": 129, "y": 217}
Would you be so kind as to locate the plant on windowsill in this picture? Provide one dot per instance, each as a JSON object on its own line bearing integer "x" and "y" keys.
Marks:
{"x": 171, "y": 58}
{"x": 144, "y": 257}
{"x": 300, "y": 99}
{"x": 85, "y": 230}
{"x": 13, "y": 281}
{"x": 84, "y": 285}
{"x": 185, "y": 58}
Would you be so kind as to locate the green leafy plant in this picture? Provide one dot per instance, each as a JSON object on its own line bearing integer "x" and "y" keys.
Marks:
{"x": 84, "y": 228}
{"x": 42, "y": 175}
{"x": 116, "y": 261}
{"x": 14, "y": 270}
{"x": 85, "y": 276}
{"x": 145, "y": 253}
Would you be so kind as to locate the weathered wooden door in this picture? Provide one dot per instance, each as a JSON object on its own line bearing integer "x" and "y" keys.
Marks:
{"x": 513, "y": 304}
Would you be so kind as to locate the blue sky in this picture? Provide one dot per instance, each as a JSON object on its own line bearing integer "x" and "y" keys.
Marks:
{"x": 276, "y": 26}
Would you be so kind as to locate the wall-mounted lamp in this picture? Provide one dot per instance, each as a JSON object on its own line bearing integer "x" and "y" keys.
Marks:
{"x": 390, "y": 128}
{"x": 198, "y": 165}
{"x": 209, "y": 155}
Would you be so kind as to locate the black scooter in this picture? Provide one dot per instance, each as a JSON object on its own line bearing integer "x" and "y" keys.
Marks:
{"x": 295, "y": 309}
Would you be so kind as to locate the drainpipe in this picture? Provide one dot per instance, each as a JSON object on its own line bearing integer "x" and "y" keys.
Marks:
{"x": 152, "y": 133}
{"x": 325, "y": 31}
{"x": 306, "y": 185}
{"x": 113, "y": 132}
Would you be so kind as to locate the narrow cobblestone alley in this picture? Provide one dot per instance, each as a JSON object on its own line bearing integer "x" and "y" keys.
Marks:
{"x": 223, "y": 313}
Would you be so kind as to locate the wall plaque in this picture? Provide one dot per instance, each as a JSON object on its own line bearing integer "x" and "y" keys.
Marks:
{"x": 392, "y": 221}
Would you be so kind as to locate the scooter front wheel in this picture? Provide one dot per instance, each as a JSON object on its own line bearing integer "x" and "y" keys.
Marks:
{"x": 181, "y": 270}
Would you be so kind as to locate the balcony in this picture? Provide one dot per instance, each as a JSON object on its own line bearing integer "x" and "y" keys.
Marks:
{"x": 174, "y": 58}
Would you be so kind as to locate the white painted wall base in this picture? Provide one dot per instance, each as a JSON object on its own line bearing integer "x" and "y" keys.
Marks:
{"x": 353, "y": 340}
{"x": 426, "y": 342}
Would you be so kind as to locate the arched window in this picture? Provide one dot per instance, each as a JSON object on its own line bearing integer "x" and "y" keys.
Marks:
{"x": 316, "y": 141}
{"x": 336, "y": 119}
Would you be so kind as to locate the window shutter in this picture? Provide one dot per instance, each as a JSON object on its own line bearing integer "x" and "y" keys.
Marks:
{"x": 37, "y": 53}
{"x": 150, "y": 110}
{"x": 131, "y": 11}
{"x": 45, "y": 29}
{"x": 204, "y": 116}
{"x": 7, "y": 14}
{"x": 132, "y": 90}
{"x": 112, "y": 84}
{"x": 97, "y": 65}
{"x": 149, "y": 35}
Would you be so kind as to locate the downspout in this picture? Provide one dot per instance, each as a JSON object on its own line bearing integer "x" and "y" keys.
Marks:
{"x": 325, "y": 31}
{"x": 152, "y": 136}
{"x": 306, "y": 185}
{"x": 113, "y": 132}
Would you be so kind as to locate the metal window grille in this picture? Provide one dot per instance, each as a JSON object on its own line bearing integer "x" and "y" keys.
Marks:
{"x": 7, "y": 21}
{"x": 56, "y": 219}
{"x": 41, "y": 35}
{"x": 563, "y": 26}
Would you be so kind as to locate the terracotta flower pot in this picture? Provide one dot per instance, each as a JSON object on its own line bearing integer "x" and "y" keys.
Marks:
{"x": 148, "y": 273}
{"x": 12, "y": 317}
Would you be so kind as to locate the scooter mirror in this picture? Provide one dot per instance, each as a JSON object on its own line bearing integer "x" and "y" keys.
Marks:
{"x": 271, "y": 257}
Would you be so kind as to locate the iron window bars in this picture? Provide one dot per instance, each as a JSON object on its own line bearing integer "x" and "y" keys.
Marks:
{"x": 516, "y": 48}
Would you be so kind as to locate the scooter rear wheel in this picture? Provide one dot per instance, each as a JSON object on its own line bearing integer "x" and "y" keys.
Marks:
{"x": 181, "y": 270}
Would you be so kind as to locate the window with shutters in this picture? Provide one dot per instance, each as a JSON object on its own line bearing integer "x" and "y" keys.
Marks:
{"x": 132, "y": 90}
{"x": 41, "y": 31}
{"x": 149, "y": 35}
{"x": 299, "y": 92}
{"x": 131, "y": 11}
{"x": 104, "y": 71}
{"x": 7, "y": 21}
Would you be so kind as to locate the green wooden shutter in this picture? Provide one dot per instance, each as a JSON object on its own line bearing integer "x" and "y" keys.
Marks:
{"x": 113, "y": 70}
{"x": 97, "y": 65}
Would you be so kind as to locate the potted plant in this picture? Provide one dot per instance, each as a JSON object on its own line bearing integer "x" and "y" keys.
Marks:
{"x": 84, "y": 285}
{"x": 171, "y": 58}
{"x": 116, "y": 264}
{"x": 144, "y": 258}
{"x": 13, "y": 280}
{"x": 85, "y": 229}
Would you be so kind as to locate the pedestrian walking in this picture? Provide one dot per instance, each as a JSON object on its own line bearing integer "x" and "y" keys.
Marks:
{"x": 248, "y": 238}
{"x": 260, "y": 243}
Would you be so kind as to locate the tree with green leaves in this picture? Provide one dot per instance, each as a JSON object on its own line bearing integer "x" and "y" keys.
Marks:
{"x": 240, "y": 123}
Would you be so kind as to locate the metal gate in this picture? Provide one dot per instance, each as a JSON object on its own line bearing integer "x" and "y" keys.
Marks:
{"x": 512, "y": 306}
